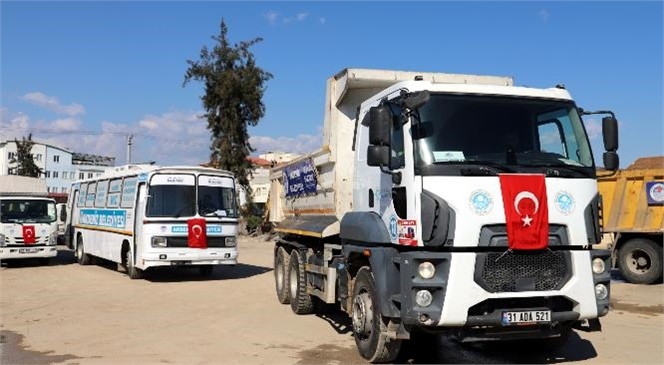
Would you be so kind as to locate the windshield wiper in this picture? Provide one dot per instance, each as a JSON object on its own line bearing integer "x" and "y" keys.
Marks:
{"x": 563, "y": 169}
{"x": 479, "y": 168}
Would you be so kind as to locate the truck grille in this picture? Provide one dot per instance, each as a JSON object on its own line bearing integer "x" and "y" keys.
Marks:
{"x": 516, "y": 271}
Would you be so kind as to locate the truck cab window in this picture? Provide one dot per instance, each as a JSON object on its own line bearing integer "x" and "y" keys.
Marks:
{"x": 397, "y": 160}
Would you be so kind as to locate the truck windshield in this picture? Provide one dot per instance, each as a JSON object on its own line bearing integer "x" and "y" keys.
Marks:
{"x": 27, "y": 211}
{"x": 500, "y": 130}
{"x": 216, "y": 201}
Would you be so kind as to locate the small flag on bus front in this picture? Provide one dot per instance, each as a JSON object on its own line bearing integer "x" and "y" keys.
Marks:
{"x": 29, "y": 234}
{"x": 197, "y": 236}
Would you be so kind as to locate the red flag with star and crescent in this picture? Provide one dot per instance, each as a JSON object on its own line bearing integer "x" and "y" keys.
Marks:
{"x": 197, "y": 233}
{"x": 526, "y": 211}
{"x": 29, "y": 235}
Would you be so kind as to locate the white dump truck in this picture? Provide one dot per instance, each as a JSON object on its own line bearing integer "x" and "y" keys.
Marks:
{"x": 445, "y": 203}
{"x": 28, "y": 227}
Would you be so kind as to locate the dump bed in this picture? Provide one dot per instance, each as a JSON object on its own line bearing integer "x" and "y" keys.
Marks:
{"x": 320, "y": 185}
{"x": 633, "y": 200}
{"x": 13, "y": 185}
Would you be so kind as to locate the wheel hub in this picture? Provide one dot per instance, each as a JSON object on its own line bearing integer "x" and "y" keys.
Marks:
{"x": 640, "y": 261}
{"x": 280, "y": 276}
{"x": 362, "y": 314}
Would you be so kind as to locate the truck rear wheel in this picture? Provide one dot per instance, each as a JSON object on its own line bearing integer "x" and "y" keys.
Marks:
{"x": 640, "y": 261}
{"x": 370, "y": 331}
{"x": 281, "y": 271}
{"x": 300, "y": 301}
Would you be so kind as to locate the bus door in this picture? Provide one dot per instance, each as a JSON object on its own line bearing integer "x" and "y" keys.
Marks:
{"x": 139, "y": 216}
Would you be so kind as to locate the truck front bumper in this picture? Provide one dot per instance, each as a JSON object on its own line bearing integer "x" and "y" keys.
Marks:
{"x": 27, "y": 252}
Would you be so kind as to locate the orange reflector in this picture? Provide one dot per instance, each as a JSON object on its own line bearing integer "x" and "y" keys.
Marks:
{"x": 367, "y": 252}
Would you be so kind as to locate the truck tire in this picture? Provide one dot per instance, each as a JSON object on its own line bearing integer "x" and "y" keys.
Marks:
{"x": 640, "y": 261}
{"x": 82, "y": 257}
{"x": 281, "y": 271}
{"x": 369, "y": 328}
{"x": 132, "y": 271}
{"x": 300, "y": 301}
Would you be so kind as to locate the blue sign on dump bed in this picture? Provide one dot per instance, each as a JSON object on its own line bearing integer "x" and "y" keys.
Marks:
{"x": 300, "y": 178}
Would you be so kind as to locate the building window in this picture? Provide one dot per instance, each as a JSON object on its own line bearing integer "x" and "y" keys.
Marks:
{"x": 38, "y": 157}
{"x": 48, "y": 174}
{"x": 55, "y": 174}
{"x": 81, "y": 175}
{"x": 56, "y": 158}
{"x": 11, "y": 155}
{"x": 90, "y": 175}
{"x": 63, "y": 189}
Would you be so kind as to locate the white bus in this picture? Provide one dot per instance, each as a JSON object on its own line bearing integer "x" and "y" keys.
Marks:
{"x": 140, "y": 217}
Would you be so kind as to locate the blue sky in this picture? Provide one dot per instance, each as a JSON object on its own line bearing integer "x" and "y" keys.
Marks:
{"x": 117, "y": 67}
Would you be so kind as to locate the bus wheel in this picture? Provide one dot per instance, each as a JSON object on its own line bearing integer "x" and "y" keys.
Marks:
{"x": 206, "y": 270}
{"x": 640, "y": 261}
{"x": 369, "y": 329}
{"x": 83, "y": 258}
{"x": 281, "y": 275}
{"x": 132, "y": 271}
{"x": 300, "y": 301}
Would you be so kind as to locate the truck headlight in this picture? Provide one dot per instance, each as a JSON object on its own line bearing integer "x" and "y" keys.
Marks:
{"x": 230, "y": 242}
{"x": 159, "y": 242}
{"x": 53, "y": 239}
{"x": 423, "y": 298}
{"x": 601, "y": 291}
{"x": 598, "y": 265}
{"x": 426, "y": 270}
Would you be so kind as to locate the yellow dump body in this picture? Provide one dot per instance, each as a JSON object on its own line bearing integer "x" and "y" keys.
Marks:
{"x": 630, "y": 201}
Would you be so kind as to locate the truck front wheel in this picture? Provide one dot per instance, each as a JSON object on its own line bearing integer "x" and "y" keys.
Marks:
{"x": 281, "y": 270}
{"x": 368, "y": 326}
{"x": 640, "y": 261}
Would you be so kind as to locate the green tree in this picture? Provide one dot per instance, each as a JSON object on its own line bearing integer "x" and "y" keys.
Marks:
{"x": 234, "y": 87}
{"x": 25, "y": 162}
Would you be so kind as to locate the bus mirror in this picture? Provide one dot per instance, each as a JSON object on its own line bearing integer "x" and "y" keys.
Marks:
{"x": 63, "y": 213}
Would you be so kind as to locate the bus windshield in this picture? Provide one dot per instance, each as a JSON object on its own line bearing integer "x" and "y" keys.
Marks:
{"x": 216, "y": 197}
{"x": 172, "y": 196}
{"x": 27, "y": 211}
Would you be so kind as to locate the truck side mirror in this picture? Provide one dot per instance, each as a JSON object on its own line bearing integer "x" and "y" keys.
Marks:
{"x": 378, "y": 156}
{"x": 611, "y": 160}
{"x": 610, "y": 133}
{"x": 63, "y": 213}
{"x": 380, "y": 125}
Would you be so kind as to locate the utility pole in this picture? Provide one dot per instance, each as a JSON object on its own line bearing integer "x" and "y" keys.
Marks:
{"x": 130, "y": 137}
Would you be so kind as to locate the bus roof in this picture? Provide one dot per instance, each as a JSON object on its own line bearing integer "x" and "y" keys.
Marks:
{"x": 131, "y": 170}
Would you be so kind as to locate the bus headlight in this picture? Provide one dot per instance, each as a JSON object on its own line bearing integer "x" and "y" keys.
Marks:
{"x": 230, "y": 242}
{"x": 426, "y": 270}
{"x": 598, "y": 265}
{"x": 159, "y": 242}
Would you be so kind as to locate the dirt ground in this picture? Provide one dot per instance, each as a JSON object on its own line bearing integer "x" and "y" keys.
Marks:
{"x": 69, "y": 314}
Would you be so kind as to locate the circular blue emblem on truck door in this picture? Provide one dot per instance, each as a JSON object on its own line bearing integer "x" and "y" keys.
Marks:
{"x": 564, "y": 202}
{"x": 481, "y": 202}
{"x": 393, "y": 227}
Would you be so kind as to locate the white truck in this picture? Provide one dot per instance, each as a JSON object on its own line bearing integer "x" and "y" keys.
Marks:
{"x": 445, "y": 203}
{"x": 28, "y": 227}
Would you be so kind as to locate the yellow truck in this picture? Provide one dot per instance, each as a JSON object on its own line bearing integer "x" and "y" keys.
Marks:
{"x": 633, "y": 218}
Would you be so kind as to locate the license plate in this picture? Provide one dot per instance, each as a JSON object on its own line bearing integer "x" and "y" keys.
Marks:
{"x": 526, "y": 317}
{"x": 180, "y": 263}
{"x": 28, "y": 250}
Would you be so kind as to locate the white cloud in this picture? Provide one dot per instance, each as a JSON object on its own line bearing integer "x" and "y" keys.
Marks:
{"x": 593, "y": 128}
{"x": 303, "y": 143}
{"x": 52, "y": 103}
{"x": 271, "y": 16}
{"x": 67, "y": 124}
{"x": 302, "y": 16}
{"x": 544, "y": 15}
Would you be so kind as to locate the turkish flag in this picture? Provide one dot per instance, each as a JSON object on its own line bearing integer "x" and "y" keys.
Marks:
{"x": 29, "y": 234}
{"x": 197, "y": 236}
{"x": 526, "y": 211}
